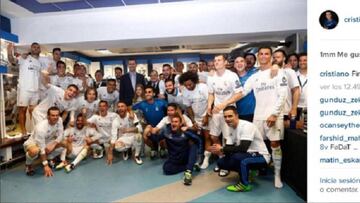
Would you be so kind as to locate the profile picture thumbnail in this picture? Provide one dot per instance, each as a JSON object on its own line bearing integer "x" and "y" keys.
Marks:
{"x": 329, "y": 19}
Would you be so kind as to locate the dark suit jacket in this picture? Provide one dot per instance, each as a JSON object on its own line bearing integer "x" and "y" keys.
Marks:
{"x": 126, "y": 90}
{"x": 156, "y": 87}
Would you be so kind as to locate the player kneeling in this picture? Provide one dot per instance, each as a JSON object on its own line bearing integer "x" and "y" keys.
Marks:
{"x": 244, "y": 148}
{"x": 78, "y": 140}
{"x": 125, "y": 134}
{"x": 46, "y": 141}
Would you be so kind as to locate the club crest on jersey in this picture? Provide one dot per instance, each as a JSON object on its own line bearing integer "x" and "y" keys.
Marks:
{"x": 283, "y": 81}
{"x": 237, "y": 84}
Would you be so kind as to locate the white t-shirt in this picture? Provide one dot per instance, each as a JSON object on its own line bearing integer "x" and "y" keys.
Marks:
{"x": 103, "y": 124}
{"x": 292, "y": 83}
{"x": 248, "y": 131}
{"x": 45, "y": 133}
{"x": 55, "y": 97}
{"x": 111, "y": 98}
{"x": 62, "y": 82}
{"x": 29, "y": 74}
{"x": 270, "y": 93}
{"x": 224, "y": 87}
{"x": 166, "y": 120}
{"x": 303, "y": 90}
{"x": 197, "y": 100}
{"x": 79, "y": 135}
{"x": 126, "y": 122}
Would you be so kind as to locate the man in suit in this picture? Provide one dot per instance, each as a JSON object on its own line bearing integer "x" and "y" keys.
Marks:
{"x": 129, "y": 81}
{"x": 154, "y": 82}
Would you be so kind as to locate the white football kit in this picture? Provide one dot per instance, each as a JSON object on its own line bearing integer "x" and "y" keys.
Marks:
{"x": 223, "y": 87}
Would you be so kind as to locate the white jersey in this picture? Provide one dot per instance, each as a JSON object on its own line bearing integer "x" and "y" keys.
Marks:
{"x": 224, "y": 87}
{"x": 270, "y": 93}
{"x": 62, "y": 82}
{"x": 292, "y": 83}
{"x": 120, "y": 123}
{"x": 111, "y": 98}
{"x": 78, "y": 136}
{"x": 303, "y": 90}
{"x": 103, "y": 124}
{"x": 55, "y": 97}
{"x": 203, "y": 76}
{"x": 166, "y": 120}
{"x": 45, "y": 133}
{"x": 197, "y": 100}
{"x": 176, "y": 98}
{"x": 29, "y": 74}
{"x": 78, "y": 83}
{"x": 91, "y": 108}
{"x": 48, "y": 64}
{"x": 248, "y": 131}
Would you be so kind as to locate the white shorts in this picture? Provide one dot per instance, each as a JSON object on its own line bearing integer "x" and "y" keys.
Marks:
{"x": 217, "y": 125}
{"x": 75, "y": 151}
{"x": 27, "y": 98}
{"x": 129, "y": 141}
{"x": 274, "y": 133}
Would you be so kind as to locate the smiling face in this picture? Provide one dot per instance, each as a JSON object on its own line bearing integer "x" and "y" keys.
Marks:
{"x": 175, "y": 123}
{"x": 264, "y": 56}
{"x": 240, "y": 64}
{"x": 53, "y": 116}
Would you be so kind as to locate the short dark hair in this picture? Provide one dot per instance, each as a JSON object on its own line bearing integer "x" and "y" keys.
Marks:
{"x": 174, "y": 105}
{"x": 266, "y": 47}
{"x": 231, "y": 108}
{"x": 302, "y": 54}
{"x": 35, "y": 43}
{"x": 53, "y": 108}
{"x": 149, "y": 87}
{"x": 118, "y": 68}
{"x": 110, "y": 80}
{"x": 74, "y": 86}
{"x": 203, "y": 61}
{"x": 103, "y": 101}
{"x": 99, "y": 71}
{"x": 281, "y": 51}
{"x": 88, "y": 90}
{"x": 80, "y": 115}
{"x": 59, "y": 63}
{"x": 131, "y": 59}
{"x": 56, "y": 49}
{"x": 189, "y": 76}
{"x": 169, "y": 80}
{"x": 225, "y": 56}
{"x": 250, "y": 54}
{"x": 122, "y": 102}
{"x": 166, "y": 64}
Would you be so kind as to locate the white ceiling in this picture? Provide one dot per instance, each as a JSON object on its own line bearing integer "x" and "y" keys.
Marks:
{"x": 190, "y": 44}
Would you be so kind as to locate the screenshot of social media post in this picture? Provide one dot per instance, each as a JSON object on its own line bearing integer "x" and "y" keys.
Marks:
{"x": 334, "y": 98}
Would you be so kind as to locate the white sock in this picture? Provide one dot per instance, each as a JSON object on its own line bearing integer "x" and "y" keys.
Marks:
{"x": 205, "y": 163}
{"x": 277, "y": 158}
{"x": 80, "y": 156}
{"x": 63, "y": 155}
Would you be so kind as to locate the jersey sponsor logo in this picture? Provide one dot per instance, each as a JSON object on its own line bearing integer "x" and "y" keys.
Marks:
{"x": 237, "y": 84}
{"x": 219, "y": 92}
